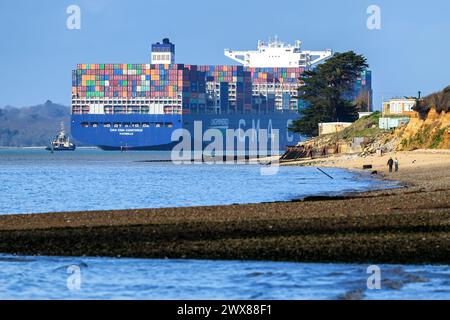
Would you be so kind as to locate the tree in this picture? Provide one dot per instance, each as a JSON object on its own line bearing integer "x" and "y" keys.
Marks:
{"x": 439, "y": 100}
{"x": 327, "y": 91}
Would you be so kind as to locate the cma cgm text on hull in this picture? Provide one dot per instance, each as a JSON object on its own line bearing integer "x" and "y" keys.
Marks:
{"x": 140, "y": 106}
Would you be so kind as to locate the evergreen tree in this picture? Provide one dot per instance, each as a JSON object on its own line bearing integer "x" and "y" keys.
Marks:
{"x": 326, "y": 90}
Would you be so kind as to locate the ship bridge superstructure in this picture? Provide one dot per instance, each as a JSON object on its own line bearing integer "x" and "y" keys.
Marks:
{"x": 277, "y": 54}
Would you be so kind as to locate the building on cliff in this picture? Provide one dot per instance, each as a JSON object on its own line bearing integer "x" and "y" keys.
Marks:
{"x": 399, "y": 107}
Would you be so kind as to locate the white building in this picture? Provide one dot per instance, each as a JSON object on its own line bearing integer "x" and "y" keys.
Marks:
{"x": 399, "y": 106}
{"x": 332, "y": 127}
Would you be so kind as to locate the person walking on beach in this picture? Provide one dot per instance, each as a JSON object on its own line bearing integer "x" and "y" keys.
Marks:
{"x": 396, "y": 165}
{"x": 390, "y": 163}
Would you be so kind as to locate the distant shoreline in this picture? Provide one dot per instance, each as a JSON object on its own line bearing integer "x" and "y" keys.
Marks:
{"x": 405, "y": 225}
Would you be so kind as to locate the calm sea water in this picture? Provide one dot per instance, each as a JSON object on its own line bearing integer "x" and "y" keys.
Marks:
{"x": 108, "y": 278}
{"x": 35, "y": 181}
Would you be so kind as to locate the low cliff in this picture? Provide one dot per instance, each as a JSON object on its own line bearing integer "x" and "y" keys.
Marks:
{"x": 429, "y": 131}
{"x": 426, "y": 130}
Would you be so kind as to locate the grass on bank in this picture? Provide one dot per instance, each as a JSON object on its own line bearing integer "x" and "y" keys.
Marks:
{"x": 365, "y": 127}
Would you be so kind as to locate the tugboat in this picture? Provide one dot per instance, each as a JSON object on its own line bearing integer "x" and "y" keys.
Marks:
{"x": 62, "y": 142}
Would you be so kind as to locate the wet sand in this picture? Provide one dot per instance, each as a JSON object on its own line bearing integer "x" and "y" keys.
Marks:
{"x": 406, "y": 225}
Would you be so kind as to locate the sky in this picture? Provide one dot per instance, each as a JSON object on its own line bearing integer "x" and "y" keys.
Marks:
{"x": 37, "y": 51}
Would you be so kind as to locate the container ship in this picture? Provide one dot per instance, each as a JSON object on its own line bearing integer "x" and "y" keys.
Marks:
{"x": 141, "y": 106}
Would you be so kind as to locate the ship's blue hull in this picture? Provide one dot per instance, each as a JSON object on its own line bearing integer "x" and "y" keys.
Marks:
{"x": 158, "y": 132}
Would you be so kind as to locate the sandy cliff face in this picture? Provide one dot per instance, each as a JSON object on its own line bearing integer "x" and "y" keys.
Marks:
{"x": 431, "y": 132}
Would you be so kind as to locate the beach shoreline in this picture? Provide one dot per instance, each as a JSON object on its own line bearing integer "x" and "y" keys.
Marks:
{"x": 398, "y": 225}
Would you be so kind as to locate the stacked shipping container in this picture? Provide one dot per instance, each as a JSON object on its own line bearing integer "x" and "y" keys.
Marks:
{"x": 276, "y": 75}
{"x": 111, "y": 80}
{"x": 183, "y": 87}
{"x": 194, "y": 90}
{"x": 147, "y": 82}
{"x": 239, "y": 85}
{"x": 281, "y": 83}
{"x": 363, "y": 86}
